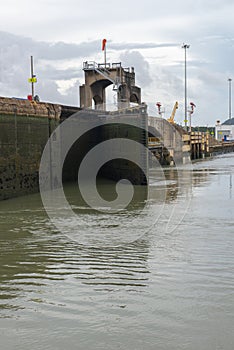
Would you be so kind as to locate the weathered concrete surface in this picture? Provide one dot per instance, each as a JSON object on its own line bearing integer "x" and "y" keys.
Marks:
{"x": 25, "y": 127}
{"x": 171, "y": 136}
{"x": 99, "y": 76}
{"x": 24, "y": 130}
{"x": 222, "y": 147}
{"x": 117, "y": 168}
{"x": 122, "y": 168}
{"x": 21, "y": 107}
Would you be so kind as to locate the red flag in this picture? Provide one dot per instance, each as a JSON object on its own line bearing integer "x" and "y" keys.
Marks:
{"x": 103, "y": 44}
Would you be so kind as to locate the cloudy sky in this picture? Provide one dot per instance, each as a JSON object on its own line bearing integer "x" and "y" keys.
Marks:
{"x": 148, "y": 35}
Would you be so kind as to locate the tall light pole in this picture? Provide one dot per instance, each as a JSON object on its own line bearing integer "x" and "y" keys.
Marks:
{"x": 230, "y": 97}
{"x": 185, "y": 47}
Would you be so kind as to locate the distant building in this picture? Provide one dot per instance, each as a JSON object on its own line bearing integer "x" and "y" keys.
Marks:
{"x": 225, "y": 131}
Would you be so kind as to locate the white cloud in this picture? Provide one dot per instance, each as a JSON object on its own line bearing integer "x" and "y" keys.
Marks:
{"x": 147, "y": 35}
{"x": 143, "y": 77}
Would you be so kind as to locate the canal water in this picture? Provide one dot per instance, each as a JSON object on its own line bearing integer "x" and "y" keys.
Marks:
{"x": 170, "y": 288}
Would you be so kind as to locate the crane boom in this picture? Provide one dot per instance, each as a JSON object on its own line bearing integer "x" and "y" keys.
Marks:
{"x": 172, "y": 117}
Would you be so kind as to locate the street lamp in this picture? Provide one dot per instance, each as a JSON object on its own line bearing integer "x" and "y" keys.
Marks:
{"x": 230, "y": 97}
{"x": 185, "y": 47}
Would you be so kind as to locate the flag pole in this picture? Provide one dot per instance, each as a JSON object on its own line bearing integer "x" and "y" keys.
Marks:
{"x": 104, "y": 49}
{"x": 105, "y": 55}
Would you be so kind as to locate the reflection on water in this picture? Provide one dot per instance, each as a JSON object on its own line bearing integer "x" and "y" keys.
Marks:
{"x": 166, "y": 290}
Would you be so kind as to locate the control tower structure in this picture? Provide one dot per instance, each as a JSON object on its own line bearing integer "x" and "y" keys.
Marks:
{"x": 100, "y": 75}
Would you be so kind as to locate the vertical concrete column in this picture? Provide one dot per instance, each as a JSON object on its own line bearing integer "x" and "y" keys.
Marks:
{"x": 98, "y": 94}
{"x": 85, "y": 96}
{"x": 123, "y": 97}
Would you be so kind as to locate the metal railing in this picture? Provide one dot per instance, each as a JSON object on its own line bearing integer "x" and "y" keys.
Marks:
{"x": 103, "y": 69}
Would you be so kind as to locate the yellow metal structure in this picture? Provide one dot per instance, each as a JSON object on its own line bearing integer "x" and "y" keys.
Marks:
{"x": 32, "y": 80}
{"x": 172, "y": 117}
{"x": 153, "y": 141}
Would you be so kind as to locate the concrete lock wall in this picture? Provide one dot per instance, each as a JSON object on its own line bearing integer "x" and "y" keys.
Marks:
{"x": 22, "y": 140}
{"x": 170, "y": 135}
{"x": 25, "y": 127}
{"x": 24, "y": 131}
{"x": 123, "y": 168}
{"x": 117, "y": 168}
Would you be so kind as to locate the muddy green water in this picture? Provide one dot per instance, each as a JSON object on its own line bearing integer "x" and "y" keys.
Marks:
{"x": 165, "y": 291}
